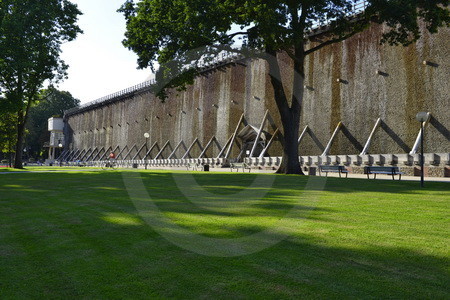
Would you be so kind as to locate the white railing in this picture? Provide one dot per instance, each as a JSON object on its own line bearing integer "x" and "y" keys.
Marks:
{"x": 359, "y": 6}
{"x": 123, "y": 92}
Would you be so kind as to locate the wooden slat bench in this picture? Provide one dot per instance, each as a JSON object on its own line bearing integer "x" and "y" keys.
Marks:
{"x": 333, "y": 169}
{"x": 193, "y": 166}
{"x": 238, "y": 166}
{"x": 383, "y": 170}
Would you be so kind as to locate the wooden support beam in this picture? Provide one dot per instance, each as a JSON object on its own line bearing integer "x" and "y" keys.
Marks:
{"x": 211, "y": 141}
{"x": 98, "y": 153}
{"x": 269, "y": 143}
{"x": 72, "y": 154}
{"x": 330, "y": 142}
{"x": 167, "y": 144}
{"x": 173, "y": 154}
{"x": 63, "y": 154}
{"x": 258, "y": 135}
{"x": 416, "y": 146}
{"x": 224, "y": 147}
{"x": 77, "y": 157}
{"x": 80, "y": 155}
{"x": 115, "y": 149}
{"x": 230, "y": 147}
{"x": 302, "y": 135}
{"x": 129, "y": 152}
{"x": 190, "y": 148}
{"x": 218, "y": 144}
{"x": 105, "y": 155}
{"x": 85, "y": 154}
{"x": 105, "y": 152}
{"x": 121, "y": 151}
{"x": 369, "y": 140}
{"x": 139, "y": 151}
{"x": 206, "y": 147}
{"x": 155, "y": 145}
{"x": 68, "y": 154}
{"x": 93, "y": 151}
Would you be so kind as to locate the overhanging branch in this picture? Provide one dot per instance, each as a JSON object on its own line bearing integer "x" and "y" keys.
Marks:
{"x": 237, "y": 33}
{"x": 330, "y": 42}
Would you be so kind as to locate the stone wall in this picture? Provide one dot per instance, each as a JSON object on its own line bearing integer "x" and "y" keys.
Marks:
{"x": 212, "y": 106}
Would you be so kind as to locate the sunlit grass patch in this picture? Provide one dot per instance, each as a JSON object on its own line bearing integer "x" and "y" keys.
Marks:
{"x": 123, "y": 219}
{"x": 78, "y": 234}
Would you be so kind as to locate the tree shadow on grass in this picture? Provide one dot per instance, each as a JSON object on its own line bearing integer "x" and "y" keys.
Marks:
{"x": 63, "y": 245}
{"x": 357, "y": 185}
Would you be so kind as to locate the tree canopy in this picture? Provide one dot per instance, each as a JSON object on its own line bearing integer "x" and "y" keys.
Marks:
{"x": 31, "y": 34}
{"x": 179, "y": 33}
{"x": 52, "y": 102}
{"x": 7, "y": 134}
{"x": 162, "y": 30}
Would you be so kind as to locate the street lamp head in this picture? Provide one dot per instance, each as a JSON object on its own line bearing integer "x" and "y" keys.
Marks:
{"x": 146, "y": 135}
{"x": 60, "y": 145}
{"x": 422, "y": 116}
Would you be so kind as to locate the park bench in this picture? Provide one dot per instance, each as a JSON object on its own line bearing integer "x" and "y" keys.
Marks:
{"x": 333, "y": 169}
{"x": 383, "y": 170}
{"x": 240, "y": 165}
{"x": 192, "y": 166}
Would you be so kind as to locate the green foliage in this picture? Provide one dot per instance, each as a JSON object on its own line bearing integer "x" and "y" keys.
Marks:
{"x": 178, "y": 34}
{"x": 31, "y": 34}
{"x": 162, "y": 31}
{"x": 52, "y": 103}
{"x": 8, "y": 132}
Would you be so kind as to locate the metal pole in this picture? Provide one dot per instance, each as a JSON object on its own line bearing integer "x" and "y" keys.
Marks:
{"x": 146, "y": 150}
{"x": 421, "y": 156}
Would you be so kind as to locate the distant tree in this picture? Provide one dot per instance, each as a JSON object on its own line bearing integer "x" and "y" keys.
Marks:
{"x": 52, "y": 102}
{"x": 7, "y": 134}
{"x": 31, "y": 34}
{"x": 8, "y": 131}
{"x": 169, "y": 32}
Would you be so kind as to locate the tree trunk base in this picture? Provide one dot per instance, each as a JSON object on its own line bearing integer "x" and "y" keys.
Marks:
{"x": 283, "y": 169}
{"x": 18, "y": 166}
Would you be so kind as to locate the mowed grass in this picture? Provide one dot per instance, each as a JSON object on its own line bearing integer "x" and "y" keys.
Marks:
{"x": 79, "y": 235}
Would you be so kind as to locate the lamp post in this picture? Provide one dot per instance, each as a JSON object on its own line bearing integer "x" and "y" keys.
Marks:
{"x": 25, "y": 153}
{"x": 146, "y": 135}
{"x": 422, "y": 117}
{"x": 60, "y": 145}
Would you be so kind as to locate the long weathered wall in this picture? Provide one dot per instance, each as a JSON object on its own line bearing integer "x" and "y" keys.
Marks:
{"x": 405, "y": 87}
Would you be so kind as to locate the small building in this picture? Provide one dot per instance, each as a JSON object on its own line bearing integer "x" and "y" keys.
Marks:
{"x": 56, "y": 127}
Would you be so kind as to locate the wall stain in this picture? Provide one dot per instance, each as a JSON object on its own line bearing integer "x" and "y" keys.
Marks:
{"x": 335, "y": 116}
{"x": 410, "y": 87}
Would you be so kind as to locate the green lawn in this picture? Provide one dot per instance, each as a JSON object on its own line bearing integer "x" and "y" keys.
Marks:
{"x": 80, "y": 235}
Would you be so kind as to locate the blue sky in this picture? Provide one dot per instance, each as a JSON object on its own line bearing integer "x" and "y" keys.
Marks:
{"x": 99, "y": 64}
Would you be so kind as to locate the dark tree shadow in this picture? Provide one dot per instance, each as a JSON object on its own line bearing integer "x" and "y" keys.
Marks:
{"x": 58, "y": 236}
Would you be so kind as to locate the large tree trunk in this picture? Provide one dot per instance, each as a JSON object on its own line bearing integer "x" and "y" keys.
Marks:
{"x": 290, "y": 115}
{"x": 290, "y": 163}
{"x": 19, "y": 146}
{"x": 22, "y": 116}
